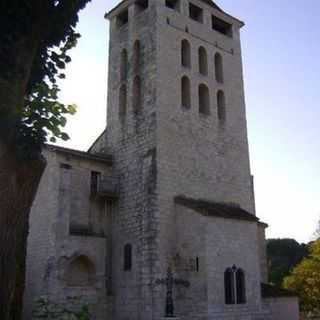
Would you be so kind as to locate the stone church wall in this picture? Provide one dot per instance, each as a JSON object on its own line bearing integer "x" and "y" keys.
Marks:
{"x": 229, "y": 243}
{"x": 67, "y": 245}
{"x": 198, "y": 156}
{"x": 132, "y": 140}
{"x": 218, "y": 244}
{"x": 282, "y": 308}
{"x": 41, "y": 240}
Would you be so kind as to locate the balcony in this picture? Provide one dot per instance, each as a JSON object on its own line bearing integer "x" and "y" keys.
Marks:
{"x": 76, "y": 229}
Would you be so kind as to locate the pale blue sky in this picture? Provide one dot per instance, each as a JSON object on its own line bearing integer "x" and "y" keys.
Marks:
{"x": 281, "y": 48}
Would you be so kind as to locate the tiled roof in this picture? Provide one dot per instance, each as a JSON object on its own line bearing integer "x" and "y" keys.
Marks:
{"x": 222, "y": 210}
{"x": 270, "y": 291}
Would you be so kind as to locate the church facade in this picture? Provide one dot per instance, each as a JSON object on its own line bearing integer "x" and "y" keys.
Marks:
{"x": 158, "y": 218}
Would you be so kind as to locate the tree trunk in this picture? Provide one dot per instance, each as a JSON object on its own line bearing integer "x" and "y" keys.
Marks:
{"x": 18, "y": 179}
{"x": 18, "y": 185}
{"x": 17, "y": 302}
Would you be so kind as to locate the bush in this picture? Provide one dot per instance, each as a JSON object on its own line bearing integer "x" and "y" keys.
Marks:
{"x": 72, "y": 309}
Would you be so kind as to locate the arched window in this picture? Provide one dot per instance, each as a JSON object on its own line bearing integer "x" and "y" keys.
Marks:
{"x": 136, "y": 56}
{"x": 80, "y": 273}
{"x": 185, "y": 54}
{"x": 229, "y": 286}
{"x": 124, "y": 65}
{"x": 235, "y": 286}
{"x": 203, "y": 61}
{"x": 204, "y": 99}
{"x": 218, "y": 64}
{"x": 221, "y": 105}
{"x": 127, "y": 257}
{"x": 241, "y": 287}
{"x": 123, "y": 100}
{"x": 137, "y": 94}
{"x": 185, "y": 92}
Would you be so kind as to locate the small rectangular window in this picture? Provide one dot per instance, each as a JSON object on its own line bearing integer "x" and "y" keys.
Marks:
{"x": 65, "y": 166}
{"x": 195, "y": 13}
{"x": 95, "y": 179}
{"x": 173, "y": 4}
{"x": 141, "y": 5}
{"x": 221, "y": 26}
{"x": 122, "y": 18}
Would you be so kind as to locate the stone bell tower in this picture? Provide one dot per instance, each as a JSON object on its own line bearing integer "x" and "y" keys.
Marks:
{"x": 177, "y": 130}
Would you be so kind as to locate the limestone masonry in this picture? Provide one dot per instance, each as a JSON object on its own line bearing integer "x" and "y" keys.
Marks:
{"x": 167, "y": 186}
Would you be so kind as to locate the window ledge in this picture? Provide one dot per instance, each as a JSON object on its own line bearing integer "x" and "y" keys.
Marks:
{"x": 204, "y": 115}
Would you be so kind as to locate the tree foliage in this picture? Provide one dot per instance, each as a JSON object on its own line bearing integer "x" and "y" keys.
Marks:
{"x": 305, "y": 280}
{"x": 283, "y": 256}
{"x": 46, "y": 28}
{"x": 72, "y": 309}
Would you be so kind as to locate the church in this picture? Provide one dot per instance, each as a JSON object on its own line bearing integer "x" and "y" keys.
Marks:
{"x": 157, "y": 219}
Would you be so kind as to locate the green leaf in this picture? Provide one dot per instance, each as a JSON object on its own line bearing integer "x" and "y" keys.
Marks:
{"x": 63, "y": 121}
{"x": 61, "y": 65}
{"x": 72, "y": 109}
{"x": 64, "y": 136}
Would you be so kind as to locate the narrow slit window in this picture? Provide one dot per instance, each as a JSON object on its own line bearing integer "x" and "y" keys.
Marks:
{"x": 218, "y": 63}
{"x": 221, "y": 26}
{"x": 195, "y": 13}
{"x": 127, "y": 257}
{"x": 137, "y": 94}
{"x": 123, "y": 18}
{"x": 123, "y": 101}
{"x": 124, "y": 65}
{"x": 95, "y": 180}
{"x": 203, "y": 61}
{"x": 173, "y": 4}
{"x": 221, "y": 105}
{"x": 185, "y": 53}
{"x": 186, "y": 92}
{"x": 136, "y": 56}
{"x": 204, "y": 100}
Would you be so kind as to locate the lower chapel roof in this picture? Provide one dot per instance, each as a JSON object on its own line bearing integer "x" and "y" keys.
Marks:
{"x": 106, "y": 158}
{"x": 221, "y": 210}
